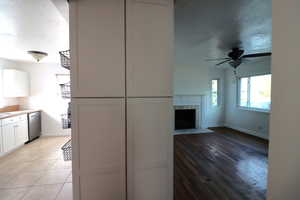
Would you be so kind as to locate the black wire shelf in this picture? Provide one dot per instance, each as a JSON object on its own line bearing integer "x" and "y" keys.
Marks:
{"x": 65, "y": 59}
{"x": 66, "y": 121}
{"x": 65, "y": 90}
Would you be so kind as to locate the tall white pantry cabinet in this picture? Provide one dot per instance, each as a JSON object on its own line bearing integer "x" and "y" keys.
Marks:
{"x": 121, "y": 72}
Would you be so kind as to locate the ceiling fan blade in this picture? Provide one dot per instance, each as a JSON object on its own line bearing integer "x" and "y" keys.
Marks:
{"x": 216, "y": 59}
{"x": 223, "y": 62}
{"x": 257, "y": 55}
{"x": 245, "y": 60}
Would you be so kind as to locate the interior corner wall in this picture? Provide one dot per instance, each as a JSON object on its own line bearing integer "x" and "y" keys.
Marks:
{"x": 251, "y": 122}
{"x": 45, "y": 95}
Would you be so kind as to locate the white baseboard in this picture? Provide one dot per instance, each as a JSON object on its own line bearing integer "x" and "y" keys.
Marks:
{"x": 250, "y": 132}
{"x": 212, "y": 124}
{"x": 48, "y": 134}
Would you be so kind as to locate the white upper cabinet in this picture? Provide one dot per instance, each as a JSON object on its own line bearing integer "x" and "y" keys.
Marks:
{"x": 99, "y": 149}
{"x": 15, "y": 83}
{"x": 150, "y": 149}
{"x": 97, "y": 48}
{"x": 149, "y": 47}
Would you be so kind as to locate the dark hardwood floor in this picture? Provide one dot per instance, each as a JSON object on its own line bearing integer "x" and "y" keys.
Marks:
{"x": 225, "y": 165}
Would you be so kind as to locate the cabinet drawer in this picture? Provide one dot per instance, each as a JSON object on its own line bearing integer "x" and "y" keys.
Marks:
{"x": 22, "y": 117}
{"x": 15, "y": 119}
{"x": 10, "y": 120}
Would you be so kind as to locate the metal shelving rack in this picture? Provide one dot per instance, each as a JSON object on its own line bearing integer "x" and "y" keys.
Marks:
{"x": 66, "y": 93}
{"x": 65, "y": 60}
{"x": 67, "y": 151}
{"x": 65, "y": 90}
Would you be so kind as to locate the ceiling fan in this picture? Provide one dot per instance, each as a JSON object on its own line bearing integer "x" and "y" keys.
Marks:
{"x": 236, "y": 57}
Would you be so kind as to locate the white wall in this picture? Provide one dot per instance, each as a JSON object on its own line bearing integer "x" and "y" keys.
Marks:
{"x": 190, "y": 75}
{"x": 284, "y": 153}
{"x": 251, "y": 122}
{"x": 44, "y": 95}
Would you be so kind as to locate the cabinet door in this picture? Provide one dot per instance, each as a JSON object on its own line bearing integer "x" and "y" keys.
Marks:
{"x": 8, "y": 136}
{"x": 98, "y": 145}
{"x": 149, "y": 47}
{"x": 97, "y": 48}
{"x": 150, "y": 149}
{"x": 21, "y": 132}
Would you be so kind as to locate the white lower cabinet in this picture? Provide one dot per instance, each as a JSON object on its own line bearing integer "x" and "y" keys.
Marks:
{"x": 21, "y": 132}
{"x": 14, "y": 133}
{"x": 8, "y": 136}
{"x": 150, "y": 149}
{"x": 98, "y": 145}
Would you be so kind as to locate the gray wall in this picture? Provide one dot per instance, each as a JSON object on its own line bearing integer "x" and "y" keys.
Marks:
{"x": 190, "y": 72}
{"x": 284, "y": 155}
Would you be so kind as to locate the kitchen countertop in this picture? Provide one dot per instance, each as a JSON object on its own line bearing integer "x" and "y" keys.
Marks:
{"x": 4, "y": 115}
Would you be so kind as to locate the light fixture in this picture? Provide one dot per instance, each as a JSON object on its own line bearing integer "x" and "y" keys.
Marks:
{"x": 38, "y": 55}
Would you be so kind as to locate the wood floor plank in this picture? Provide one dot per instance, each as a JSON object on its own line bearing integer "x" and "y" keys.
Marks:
{"x": 222, "y": 165}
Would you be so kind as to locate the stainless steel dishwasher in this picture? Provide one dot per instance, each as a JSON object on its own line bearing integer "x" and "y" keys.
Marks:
{"x": 34, "y": 125}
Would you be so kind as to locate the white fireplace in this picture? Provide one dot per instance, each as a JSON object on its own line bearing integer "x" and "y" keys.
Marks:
{"x": 197, "y": 102}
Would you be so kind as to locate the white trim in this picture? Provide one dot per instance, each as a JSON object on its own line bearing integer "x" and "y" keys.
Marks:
{"x": 63, "y": 132}
{"x": 238, "y": 95}
{"x": 254, "y": 109}
{"x": 250, "y": 132}
{"x": 212, "y": 124}
{"x": 218, "y": 93}
{"x": 203, "y": 110}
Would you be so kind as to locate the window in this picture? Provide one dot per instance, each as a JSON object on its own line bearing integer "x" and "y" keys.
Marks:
{"x": 255, "y": 92}
{"x": 215, "y": 92}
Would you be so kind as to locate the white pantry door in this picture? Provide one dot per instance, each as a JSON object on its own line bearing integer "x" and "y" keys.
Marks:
{"x": 150, "y": 149}
{"x": 97, "y": 48}
{"x": 98, "y": 138}
{"x": 149, "y": 45}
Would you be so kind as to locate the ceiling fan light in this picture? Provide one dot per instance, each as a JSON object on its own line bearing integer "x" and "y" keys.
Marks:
{"x": 235, "y": 63}
{"x": 38, "y": 55}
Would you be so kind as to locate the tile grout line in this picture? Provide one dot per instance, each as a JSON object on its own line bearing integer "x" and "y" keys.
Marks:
{"x": 12, "y": 185}
{"x": 59, "y": 191}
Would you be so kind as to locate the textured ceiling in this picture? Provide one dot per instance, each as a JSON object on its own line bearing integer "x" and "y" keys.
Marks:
{"x": 32, "y": 25}
{"x": 212, "y": 27}
{"x": 216, "y": 26}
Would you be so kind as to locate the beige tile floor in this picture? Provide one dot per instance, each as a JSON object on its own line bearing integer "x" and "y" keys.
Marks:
{"x": 36, "y": 171}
